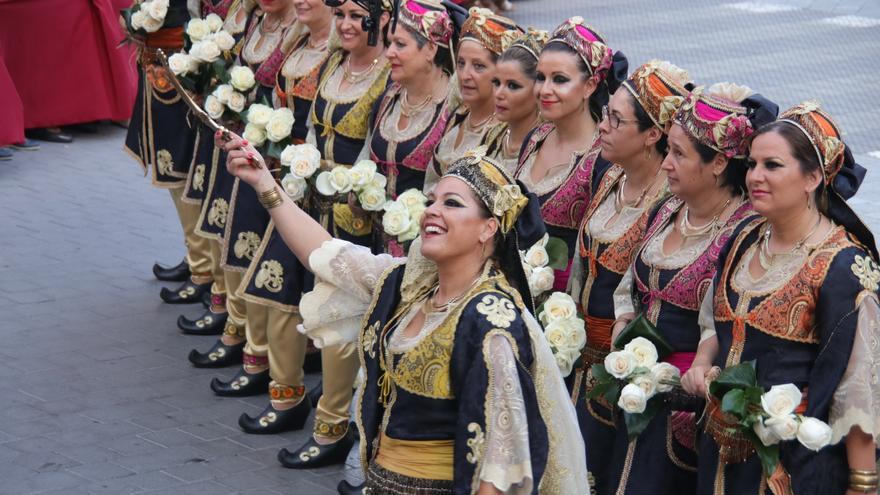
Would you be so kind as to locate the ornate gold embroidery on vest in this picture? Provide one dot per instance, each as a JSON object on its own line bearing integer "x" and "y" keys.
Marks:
{"x": 368, "y": 340}
{"x": 424, "y": 370}
{"x": 199, "y": 177}
{"x": 217, "y": 213}
{"x": 246, "y": 245}
{"x": 476, "y": 443}
{"x": 499, "y": 312}
{"x": 866, "y": 270}
{"x": 270, "y": 276}
{"x": 164, "y": 162}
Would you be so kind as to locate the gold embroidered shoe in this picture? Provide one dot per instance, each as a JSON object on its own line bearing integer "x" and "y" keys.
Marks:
{"x": 272, "y": 420}
{"x": 315, "y": 455}
{"x": 177, "y": 273}
{"x": 188, "y": 293}
{"x": 209, "y": 323}
{"x": 242, "y": 384}
{"x": 219, "y": 355}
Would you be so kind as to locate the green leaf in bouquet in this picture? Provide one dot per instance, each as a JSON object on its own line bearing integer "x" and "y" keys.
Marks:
{"x": 739, "y": 376}
{"x": 275, "y": 149}
{"x": 734, "y": 402}
{"x": 603, "y": 381}
{"x": 636, "y": 423}
{"x": 612, "y": 394}
{"x": 557, "y": 251}
{"x": 219, "y": 67}
{"x": 265, "y": 101}
{"x": 768, "y": 454}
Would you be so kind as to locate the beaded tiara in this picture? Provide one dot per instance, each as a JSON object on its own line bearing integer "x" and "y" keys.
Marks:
{"x": 492, "y": 184}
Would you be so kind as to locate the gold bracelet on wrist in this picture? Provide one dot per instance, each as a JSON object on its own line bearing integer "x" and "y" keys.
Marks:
{"x": 271, "y": 198}
{"x": 863, "y": 472}
{"x": 863, "y": 488}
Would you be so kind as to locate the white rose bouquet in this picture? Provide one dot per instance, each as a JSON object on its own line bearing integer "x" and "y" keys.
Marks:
{"x": 270, "y": 125}
{"x": 766, "y": 418}
{"x": 632, "y": 378}
{"x": 363, "y": 180}
{"x": 402, "y": 217}
{"x": 564, "y": 330}
{"x": 299, "y": 162}
{"x": 145, "y": 17}
{"x": 540, "y": 260}
{"x": 206, "y": 58}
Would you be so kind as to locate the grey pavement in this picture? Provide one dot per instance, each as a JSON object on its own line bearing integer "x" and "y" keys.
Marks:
{"x": 96, "y": 395}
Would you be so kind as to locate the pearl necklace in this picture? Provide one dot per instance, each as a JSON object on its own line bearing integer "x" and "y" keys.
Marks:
{"x": 688, "y": 230}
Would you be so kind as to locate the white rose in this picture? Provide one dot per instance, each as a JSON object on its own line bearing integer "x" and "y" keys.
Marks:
{"x": 620, "y": 364}
{"x": 537, "y": 256}
{"x": 541, "y": 280}
{"x": 255, "y": 134}
{"x": 813, "y": 433}
{"x": 241, "y": 78}
{"x": 259, "y": 114}
{"x": 644, "y": 351}
{"x": 180, "y": 64}
{"x": 577, "y": 336}
{"x": 340, "y": 180}
{"x": 411, "y": 233}
{"x": 152, "y": 25}
{"x": 214, "y": 107}
{"x": 205, "y": 50}
{"x": 559, "y": 306}
{"x": 564, "y": 363}
{"x": 294, "y": 186}
{"x": 372, "y": 199}
{"x": 781, "y": 400}
{"x": 223, "y": 40}
{"x": 527, "y": 269}
{"x": 632, "y": 399}
{"x": 214, "y": 22}
{"x": 137, "y": 20}
{"x": 362, "y": 174}
{"x": 197, "y": 30}
{"x": 223, "y": 92}
{"x": 557, "y": 335}
{"x": 665, "y": 372}
{"x": 647, "y": 383}
{"x": 157, "y": 10}
{"x": 280, "y": 124}
{"x": 785, "y": 427}
{"x": 765, "y": 434}
{"x": 379, "y": 181}
{"x": 322, "y": 184}
{"x": 236, "y": 103}
{"x": 413, "y": 199}
{"x": 396, "y": 220}
{"x": 304, "y": 161}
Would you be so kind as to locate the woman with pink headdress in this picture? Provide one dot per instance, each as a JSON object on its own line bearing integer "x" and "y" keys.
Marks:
{"x": 670, "y": 272}
{"x": 560, "y": 159}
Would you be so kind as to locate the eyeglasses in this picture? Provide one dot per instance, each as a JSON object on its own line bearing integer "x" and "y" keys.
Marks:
{"x": 614, "y": 120}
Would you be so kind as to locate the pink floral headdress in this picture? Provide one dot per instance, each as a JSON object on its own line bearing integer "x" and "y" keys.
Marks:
{"x": 429, "y": 19}
{"x": 588, "y": 44}
{"x": 716, "y": 122}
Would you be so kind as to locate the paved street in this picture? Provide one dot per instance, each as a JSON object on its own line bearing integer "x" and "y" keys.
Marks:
{"x": 97, "y": 394}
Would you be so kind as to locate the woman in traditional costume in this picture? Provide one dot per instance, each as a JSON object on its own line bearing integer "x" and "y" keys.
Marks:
{"x": 797, "y": 293}
{"x": 633, "y": 135}
{"x": 481, "y": 42}
{"x": 671, "y": 270}
{"x": 560, "y": 161}
{"x": 515, "y": 104}
{"x": 461, "y": 393}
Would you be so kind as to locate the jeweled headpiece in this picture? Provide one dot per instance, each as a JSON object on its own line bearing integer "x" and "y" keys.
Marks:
{"x": 429, "y": 19}
{"x": 823, "y": 133}
{"x": 660, "y": 88}
{"x": 532, "y": 41}
{"x": 588, "y": 44}
{"x": 719, "y": 123}
{"x": 489, "y": 30}
{"x": 492, "y": 184}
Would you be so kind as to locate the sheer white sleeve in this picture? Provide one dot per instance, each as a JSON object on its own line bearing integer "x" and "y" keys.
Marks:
{"x": 507, "y": 464}
{"x": 707, "y": 315}
{"x": 365, "y": 151}
{"x": 623, "y": 303}
{"x": 346, "y": 276}
{"x": 856, "y": 401}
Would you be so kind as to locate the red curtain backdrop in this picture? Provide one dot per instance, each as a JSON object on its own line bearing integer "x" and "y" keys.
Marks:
{"x": 63, "y": 59}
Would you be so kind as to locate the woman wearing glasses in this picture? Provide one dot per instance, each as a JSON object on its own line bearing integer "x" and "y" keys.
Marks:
{"x": 633, "y": 132}
{"x": 667, "y": 280}
{"x": 560, "y": 159}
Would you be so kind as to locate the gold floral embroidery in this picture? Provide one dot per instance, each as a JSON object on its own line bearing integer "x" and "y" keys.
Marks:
{"x": 199, "y": 177}
{"x": 424, "y": 370}
{"x": 866, "y": 269}
{"x": 217, "y": 213}
{"x": 270, "y": 276}
{"x": 476, "y": 443}
{"x": 368, "y": 341}
{"x": 246, "y": 245}
{"x": 164, "y": 163}
{"x": 499, "y": 312}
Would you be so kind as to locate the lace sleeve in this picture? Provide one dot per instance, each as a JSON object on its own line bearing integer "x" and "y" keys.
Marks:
{"x": 707, "y": 315}
{"x": 507, "y": 463}
{"x": 346, "y": 277}
{"x": 623, "y": 295}
{"x": 856, "y": 401}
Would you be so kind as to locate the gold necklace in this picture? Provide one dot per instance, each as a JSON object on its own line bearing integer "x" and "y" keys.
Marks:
{"x": 355, "y": 77}
{"x": 264, "y": 25}
{"x": 620, "y": 201}
{"x": 479, "y": 125}
{"x": 407, "y": 109}
{"x": 433, "y": 307}
{"x": 766, "y": 256}
{"x": 688, "y": 230}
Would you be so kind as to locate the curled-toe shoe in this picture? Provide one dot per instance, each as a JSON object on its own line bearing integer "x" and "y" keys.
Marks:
{"x": 242, "y": 384}
{"x": 314, "y": 455}
{"x": 209, "y": 323}
{"x": 177, "y": 273}
{"x": 188, "y": 293}
{"x": 219, "y": 355}
{"x": 272, "y": 420}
